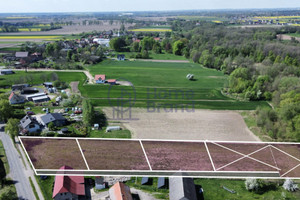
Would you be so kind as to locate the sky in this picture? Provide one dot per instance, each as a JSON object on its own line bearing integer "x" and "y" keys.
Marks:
{"x": 17, "y": 6}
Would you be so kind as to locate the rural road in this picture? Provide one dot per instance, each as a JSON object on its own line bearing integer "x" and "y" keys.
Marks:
{"x": 18, "y": 173}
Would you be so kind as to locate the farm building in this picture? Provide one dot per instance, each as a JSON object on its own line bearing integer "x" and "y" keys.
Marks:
{"x": 120, "y": 191}
{"x": 101, "y": 41}
{"x": 48, "y": 84}
{"x": 99, "y": 183}
{"x": 15, "y": 98}
{"x": 111, "y": 81}
{"x": 120, "y": 57}
{"x": 56, "y": 118}
{"x": 162, "y": 182}
{"x": 19, "y": 86}
{"x": 40, "y": 99}
{"x": 182, "y": 189}
{"x": 29, "y": 125}
{"x": 6, "y": 72}
{"x": 100, "y": 78}
{"x": 68, "y": 187}
{"x": 146, "y": 181}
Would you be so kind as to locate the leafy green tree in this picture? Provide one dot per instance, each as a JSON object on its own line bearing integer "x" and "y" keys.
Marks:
{"x": 178, "y": 47}
{"x": 147, "y": 43}
{"x": 51, "y": 126}
{"x": 117, "y": 44}
{"x": 7, "y": 193}
{"x": 6, "y": 110}
{"x": 88, "y": 112}
{"x": 135, "y": 47}
{"x": 12, "y": 128}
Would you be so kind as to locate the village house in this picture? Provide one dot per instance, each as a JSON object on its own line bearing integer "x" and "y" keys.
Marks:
{"x": 100, "y": 78}
{"x": 68, "y": 187}
{"x": 121, "y": 57}
{"x": 15, "y": 98}
{"x": 57, "y": 118}
{"x": 182, "y": 188}
{"x": 99, "y": 183}
{"x": 29, "y": 125}
{"x": 120, "y": 191}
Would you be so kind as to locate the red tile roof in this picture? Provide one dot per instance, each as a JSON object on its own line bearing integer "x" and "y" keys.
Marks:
{"x": 111, "y": 80}
{"x": 11, "y": 95}
{"x": 102, "y": 76}
{"x": 120, "y": 191}
{"x": 72, "y": 184}
{"x": 156, "y": 38}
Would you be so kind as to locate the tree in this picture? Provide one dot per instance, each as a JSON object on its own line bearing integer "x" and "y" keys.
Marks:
{"x": 178, "y": 47}
{"x": 147, "y": 43}
{"x": 135, "y": 47}
{"x": 54, "y": 76}
{"x": 6, "y": 110}
{"x": 51, "y": 126}
{"x": 7, "y": 193}
{"x": 88, "y": 112}
{"x": 117, "y": 44}
{"x": 12, "y": 128}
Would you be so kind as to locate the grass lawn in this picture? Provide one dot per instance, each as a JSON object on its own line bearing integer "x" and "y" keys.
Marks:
{"x": 113, "y": 134}
{"x": 213, "y": 190}
{"x": 46, "y": 186}
{"x": 154, "y": 56}
{"x": 163, "y": 83}
{"x": 3, "y": 158}
{"x": 294, "y": 34}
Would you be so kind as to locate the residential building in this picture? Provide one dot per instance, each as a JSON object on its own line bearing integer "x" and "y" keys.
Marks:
{"x": 100, "y": 78}
{"x": 15, "y": 98}
{"x": 57, "y": 118}
{"x": 68, "y": 187}
{"x": 181, "y": 188}
{"x": 120, "y": 191}
{"x": 29, "y": 125}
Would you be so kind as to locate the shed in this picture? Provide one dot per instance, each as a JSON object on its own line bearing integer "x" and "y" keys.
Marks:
{"x": 182, "y": 189}
{"x": 40, "y": 99}
{"x": 162, "y": 182}
{"x": 48, "y": 84}
{"x": 146, "y": 181}
{"x": 99, "y": 183}
{"x": 113, "y": 128}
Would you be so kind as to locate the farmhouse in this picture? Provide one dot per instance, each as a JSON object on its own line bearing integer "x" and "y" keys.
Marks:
{"x": 19, "y": 86}
{"x": 21, "y": 54}
{"x": 56, "y": 118}
{"x": 182, "y": 189}
{"x": 120, "y": 57}
{"x": 100, "y": 78}
{"x": 29, "y": 125}
{"x": 68, "y": 187}
{"x": 120, "y": 191}
{"x": 6, "y": 72}
{"x": 15, "y": 98}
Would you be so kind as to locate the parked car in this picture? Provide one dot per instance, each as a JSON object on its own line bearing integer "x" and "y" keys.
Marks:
{"x": 30, "y": 113}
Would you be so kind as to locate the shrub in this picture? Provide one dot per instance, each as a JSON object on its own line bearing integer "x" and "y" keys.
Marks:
{"x": 289, "y": 185}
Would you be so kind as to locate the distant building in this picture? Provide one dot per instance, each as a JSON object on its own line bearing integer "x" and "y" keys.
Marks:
{"x": 100, "y": 78}
{"x": 111, "y": 81}
{"x": 68, "y": 187}
{"x": 120, "y": 57}
{"x": 146, "y": 181}
{"x": 57, "y": 118}
{"x": 182, "y": 189}
{"x": 120, "y": 191}
{"x": 15, "y": 98}
{"x": 48, "y": 84}
{"x": 6, "y": 71}
{"x": 99, "y": 183}
{"x": 101, "y": 41}
{"x": 19, "y": 86}
{"x": 29, "y": 125}
{"x": 21, "y": 54}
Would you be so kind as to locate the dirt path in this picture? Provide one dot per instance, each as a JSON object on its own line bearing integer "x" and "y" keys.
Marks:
{"x": 286, "y": 37}
{"x": 183, "y": 125}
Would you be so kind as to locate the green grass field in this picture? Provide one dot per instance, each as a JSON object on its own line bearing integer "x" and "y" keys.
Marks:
{"x": 154, "y": 56}
{"x": 164, "y": 84}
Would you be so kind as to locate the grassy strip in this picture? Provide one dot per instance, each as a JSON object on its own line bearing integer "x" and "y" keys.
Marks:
{"x": 46, "y": 186}
{"x": 33, "y": 189}
{"x": 4, "y": 158}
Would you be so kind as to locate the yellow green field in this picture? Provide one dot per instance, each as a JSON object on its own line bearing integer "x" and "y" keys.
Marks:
{"x": 151, "y": 30}
{"x": 21, "y": 37}
{"x": 278, "y": 17}
{"x": 29, "y": 29}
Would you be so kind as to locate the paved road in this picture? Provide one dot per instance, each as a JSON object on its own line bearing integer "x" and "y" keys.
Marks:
{"x": 18, "y": 173}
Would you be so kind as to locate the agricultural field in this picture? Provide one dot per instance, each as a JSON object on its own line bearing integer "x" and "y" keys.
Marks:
{"x": 163, "y": 82}
{"x": 151, "y": 30}
{"x": 35, "y": 38}
{"x": 154, "y": 56}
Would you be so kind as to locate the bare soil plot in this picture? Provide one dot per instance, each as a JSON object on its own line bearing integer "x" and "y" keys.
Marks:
{"x": 114, "y": 155}
{"x": 53, "y": 153}
{"x": 186, "y": 156}
{"x": 197, "y": 125}
{"x": 74, "y": 87}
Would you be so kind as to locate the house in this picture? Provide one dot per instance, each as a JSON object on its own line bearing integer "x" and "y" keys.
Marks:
{"x": 29, "y": 125}
{"x": 21, "y": 54}
{"x": 100, "y": 78}
{"x": 16, "y": 99}
{"x": 99, "y": 183}
{"x": 19, "y": 86}
{"x": 68, "y": 187}
{"x": 181, "y": 188}
{"x": 120, "y": 57}
{"x": 36, "y": 57}
{"x": 56, "y": 118}
{"x": 101, "y": 41}
{"x": 48, "y": 84}
{"x": 6, "y": 71}
{"x": 120, "y": 191}
{"x": 162, "y": 182}
{"x": 111, "y": 81}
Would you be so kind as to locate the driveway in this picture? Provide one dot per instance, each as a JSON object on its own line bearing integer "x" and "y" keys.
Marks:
{"x": 18, "y": 173}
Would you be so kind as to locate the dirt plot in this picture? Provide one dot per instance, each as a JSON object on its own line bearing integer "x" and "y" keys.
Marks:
{"x": 185, "y": 156}
{"x": 114, "y": 155}
{"x": 197, "y": 125}
{"x": 53, "y": 153}
{"x": 74, "y": 87}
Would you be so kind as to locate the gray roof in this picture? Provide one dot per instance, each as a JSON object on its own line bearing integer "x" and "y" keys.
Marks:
{"x": 21, "y": 54}
{"x": 26, "y": 121}
{"x": 182, "y": 188}
{"x": 51, "y": 117}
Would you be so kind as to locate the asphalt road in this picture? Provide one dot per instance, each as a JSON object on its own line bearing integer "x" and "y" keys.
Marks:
{"x": 17, "y": 170}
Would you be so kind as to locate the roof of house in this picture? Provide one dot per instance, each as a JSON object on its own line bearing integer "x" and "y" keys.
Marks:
{"x": 52, "y": 117}
{"x": 21, "y": 54}
{"x": 99, "y": 180}
{"x": 182, "y": 188}
{"x": 120, "y": 191}
{"x": 145, "y": 180}
{"x": 25, "y": 121}
{"x": 111, "y": 80}
{"x": 15, "y": 97}
{"x": 11, "y": 95}
{"x": 100, "y": 76}
{"x": 44, "y": 97}
{"x": 161, "y": 182}
{"x": 72, "y": 184}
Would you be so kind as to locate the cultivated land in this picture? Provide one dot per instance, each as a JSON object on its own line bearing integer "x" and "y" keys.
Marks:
{"x": 164, "y": 156}
{"x": 196, "y": 125}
